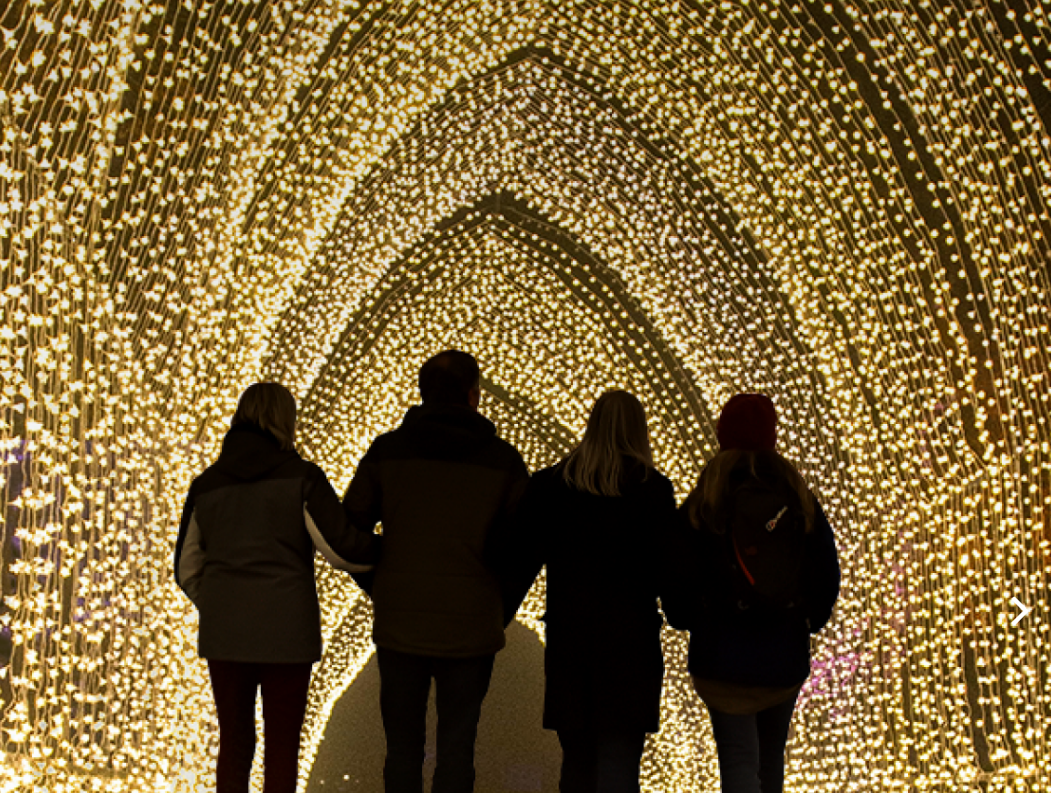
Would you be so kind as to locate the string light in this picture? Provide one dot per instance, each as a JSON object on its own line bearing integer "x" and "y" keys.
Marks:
{"x": 839, "y": 204}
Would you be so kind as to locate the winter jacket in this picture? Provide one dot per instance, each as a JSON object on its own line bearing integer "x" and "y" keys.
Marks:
{"x": 437, "y": 484}
{"x": 603, "y": 660}
{"x": 752, "y": 647}
{"x": 245, "y": 552}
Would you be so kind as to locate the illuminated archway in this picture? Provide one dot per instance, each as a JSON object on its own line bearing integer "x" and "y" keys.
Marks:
{"x": 840, "y": 204}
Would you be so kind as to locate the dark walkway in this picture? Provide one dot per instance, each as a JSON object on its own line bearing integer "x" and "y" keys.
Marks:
{"x": 515, "y": 755}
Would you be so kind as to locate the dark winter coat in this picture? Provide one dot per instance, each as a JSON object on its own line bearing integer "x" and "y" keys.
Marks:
{"x": 245, "y": 552}
{"x": 753, "y": 647}
{"x": 603, "y": 661}
{"x": 438, "y": 484}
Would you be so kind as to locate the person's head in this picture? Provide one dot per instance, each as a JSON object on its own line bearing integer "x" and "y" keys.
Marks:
{"x": 271, "y": 407}
{"x": 450, "y": 378}
{"x": 747, "y": 434}
{"x": 747, "y": 422}
{"x": 615, "y": 438}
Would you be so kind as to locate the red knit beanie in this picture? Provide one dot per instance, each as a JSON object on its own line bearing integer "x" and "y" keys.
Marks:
{"x": 748, "y": 422}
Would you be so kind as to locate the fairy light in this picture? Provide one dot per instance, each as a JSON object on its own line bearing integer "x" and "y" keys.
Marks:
{"x": 842, "y": 205}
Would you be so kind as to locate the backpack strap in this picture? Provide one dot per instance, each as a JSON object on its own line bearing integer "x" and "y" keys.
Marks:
{"x": 740, "y": 561}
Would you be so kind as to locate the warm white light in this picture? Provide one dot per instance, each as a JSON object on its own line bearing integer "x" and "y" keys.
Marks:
{"x": 842, "y": 205}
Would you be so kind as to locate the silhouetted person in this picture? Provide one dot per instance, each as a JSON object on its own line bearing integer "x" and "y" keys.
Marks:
{"x": 597, "y": 520}
{"x": 755, "y": 572}
{"x": 438, "y": 484}
{"x": 245, "y": 557}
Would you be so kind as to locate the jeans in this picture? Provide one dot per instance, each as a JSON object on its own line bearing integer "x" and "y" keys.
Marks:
{"x": 405, "y": 684}
{"x": 284, "y": 687}
{"x": 752, "y": 748}
{"x": 597, "y": 762}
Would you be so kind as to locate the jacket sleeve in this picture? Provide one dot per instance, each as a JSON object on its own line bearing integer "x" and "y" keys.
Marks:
{"x": 496, "y": 539}
{"x": 518, "y": 551}
{"x": 682, "y": 574}
{"x": 338, "y": 540}
{"x": 821, "y": 571}
{"x": 189, "y": 551}
{"x": 517, "y": 488}
{"x": 363, "y": 507}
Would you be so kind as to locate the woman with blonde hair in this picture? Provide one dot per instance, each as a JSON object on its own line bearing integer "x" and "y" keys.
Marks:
{"x": 752, "y": 572}
{"x": 596, "y": 519}
{"x": 245, "y": 557}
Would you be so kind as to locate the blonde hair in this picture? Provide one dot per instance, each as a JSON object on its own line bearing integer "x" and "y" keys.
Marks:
{"x": 271, "y": 407}
{"x": 616, "y": 430}
{"x": 705, "y": 502}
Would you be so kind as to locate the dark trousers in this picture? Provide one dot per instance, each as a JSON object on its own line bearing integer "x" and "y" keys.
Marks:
{"x": 405, "y": 684}
{"x": 752, "y": 748}
{"x": 598, "y": 762}
{"x": 284, "y": 689}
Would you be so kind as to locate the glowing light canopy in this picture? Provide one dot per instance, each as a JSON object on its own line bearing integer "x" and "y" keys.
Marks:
{"x": 841, "y": 204}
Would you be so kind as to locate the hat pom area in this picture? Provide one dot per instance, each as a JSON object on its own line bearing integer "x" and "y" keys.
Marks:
{"x": 748, "y": 422}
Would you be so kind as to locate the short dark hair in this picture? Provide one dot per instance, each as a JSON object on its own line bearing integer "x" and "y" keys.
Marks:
{"x": 448, "y": 377}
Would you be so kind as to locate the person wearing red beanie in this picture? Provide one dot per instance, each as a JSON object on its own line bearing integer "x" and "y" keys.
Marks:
{"x": 752, "y": 571}
{"x": 748, "y": 422}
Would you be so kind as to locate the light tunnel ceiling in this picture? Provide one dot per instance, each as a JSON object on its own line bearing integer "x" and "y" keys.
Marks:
{"x": 842, "y": 204}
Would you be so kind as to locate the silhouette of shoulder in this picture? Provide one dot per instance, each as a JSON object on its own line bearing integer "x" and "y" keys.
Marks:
{"x": 455, "y": 436}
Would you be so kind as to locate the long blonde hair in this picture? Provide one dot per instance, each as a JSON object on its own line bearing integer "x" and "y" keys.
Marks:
{"x": 271, "y": 407}
{"x": 616, "y": 430}
{"x": 705, "y": 502}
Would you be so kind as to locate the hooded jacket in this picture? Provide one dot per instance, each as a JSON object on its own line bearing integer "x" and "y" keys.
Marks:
{"x": 245, "y": 552}
{"x": 439, "y": 484}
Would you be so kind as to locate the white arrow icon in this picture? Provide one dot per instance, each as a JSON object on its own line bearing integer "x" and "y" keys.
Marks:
{"x": 1025, "y": 610}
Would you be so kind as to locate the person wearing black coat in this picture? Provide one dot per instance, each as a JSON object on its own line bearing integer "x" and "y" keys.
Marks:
{"x": 596, "y": 520}
{"x": 748, "y": 660}
{"x": 245, "y": 557}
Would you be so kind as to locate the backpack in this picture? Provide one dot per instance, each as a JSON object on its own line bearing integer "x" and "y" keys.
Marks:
{"x": 764, "y": 545}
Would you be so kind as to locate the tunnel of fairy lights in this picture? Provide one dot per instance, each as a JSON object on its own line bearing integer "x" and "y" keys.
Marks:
{"x": 840, "y": 204}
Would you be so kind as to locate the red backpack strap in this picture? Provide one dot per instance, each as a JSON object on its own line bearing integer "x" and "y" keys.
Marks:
{"x": 740, "y": 561}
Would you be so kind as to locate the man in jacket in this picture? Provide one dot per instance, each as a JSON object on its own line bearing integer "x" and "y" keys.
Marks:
{"x": 438, "y": 484}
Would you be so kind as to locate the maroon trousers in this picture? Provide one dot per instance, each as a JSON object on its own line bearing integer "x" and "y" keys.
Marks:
{"x": 284, "y": 688}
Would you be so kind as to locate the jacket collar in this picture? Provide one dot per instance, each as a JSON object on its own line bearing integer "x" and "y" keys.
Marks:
{"x": 461, "y": 417}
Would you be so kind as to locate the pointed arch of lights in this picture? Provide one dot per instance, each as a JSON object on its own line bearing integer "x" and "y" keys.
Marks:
{"x": 841, "y": 204}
